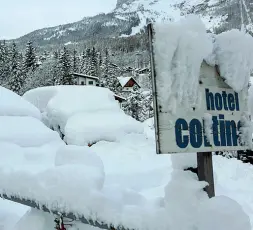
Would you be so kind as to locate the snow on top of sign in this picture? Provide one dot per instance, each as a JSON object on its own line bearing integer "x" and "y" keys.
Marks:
{"x": 234, "y": 56}
{"x": 179, "y": 49}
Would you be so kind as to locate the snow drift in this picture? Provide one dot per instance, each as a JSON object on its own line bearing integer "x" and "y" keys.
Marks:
{"x": 12, "y": 104}
{"x": 83, "y": 114}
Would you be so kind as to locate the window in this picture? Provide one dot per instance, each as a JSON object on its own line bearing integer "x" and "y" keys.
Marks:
{"x": 90, "y": 82}
{"x": 82, "y": 82}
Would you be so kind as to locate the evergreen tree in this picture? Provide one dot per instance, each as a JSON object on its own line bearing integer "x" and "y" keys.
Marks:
{"x": 65, "y": 68}
{"x": 55, "y": 71}
{"x": 14, "y": 58}
{"x": 30, "y": 57}
{"x": 87, "y": 69}
{"x": 42, "y": 76}
{"x": 137, "y": 105}
{"x": 75, "y": 62}
{"x": 83, "y": 63}
{"x": 16, "y": 81}
{"x": 93, "y": 63}
{"x": 17, "y": 74}
{"x": 4, "y": 63}
{"x": 105, "y": 70}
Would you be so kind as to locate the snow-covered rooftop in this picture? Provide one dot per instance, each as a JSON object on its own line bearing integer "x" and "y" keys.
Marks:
{"x": 85, "y": 76}
{"x": 124, "y": 80}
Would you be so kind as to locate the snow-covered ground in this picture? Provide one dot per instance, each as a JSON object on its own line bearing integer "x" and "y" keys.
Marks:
{"x": 119, "y": 179}
{"x": 122, "y": 182}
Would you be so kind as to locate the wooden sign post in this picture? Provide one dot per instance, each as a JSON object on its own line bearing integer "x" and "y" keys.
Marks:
{"x": 205, "y": 171}
{"x": 185, "y": 130}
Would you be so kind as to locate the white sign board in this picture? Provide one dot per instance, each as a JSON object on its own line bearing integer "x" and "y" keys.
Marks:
{"x": 185, "y": 131}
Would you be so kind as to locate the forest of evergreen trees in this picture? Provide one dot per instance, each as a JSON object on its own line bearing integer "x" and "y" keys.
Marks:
{"x": 22, "y": 71}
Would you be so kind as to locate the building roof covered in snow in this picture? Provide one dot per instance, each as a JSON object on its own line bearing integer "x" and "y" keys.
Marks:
{"x": 84, "y": 75}
{"x": 124, "y": 80}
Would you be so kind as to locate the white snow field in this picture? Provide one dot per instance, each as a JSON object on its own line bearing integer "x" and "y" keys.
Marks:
{"x": 119, "y": 180}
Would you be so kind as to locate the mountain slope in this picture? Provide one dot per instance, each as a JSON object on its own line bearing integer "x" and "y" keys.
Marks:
{"x": 130, "y": 16}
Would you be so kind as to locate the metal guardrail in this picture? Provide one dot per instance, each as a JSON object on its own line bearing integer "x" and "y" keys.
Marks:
{"x": 70, "y": 215}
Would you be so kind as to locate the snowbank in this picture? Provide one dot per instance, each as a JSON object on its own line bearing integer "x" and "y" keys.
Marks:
{"x": 76, "y": 99}
{"x": 26, "y": 144}
{"x": 218, "y": 212}
{"x": 12, "y": 104}
{"x": 35, "y": 219}
{"x": 89, "y": 128}
{"x": 233, "y": 179}
{"x": 40, "y": 97}
{"x": 83, "y": 157}
{"x": 161, "y": 196}
{"x": 83, "y": 114}
{"x": 26, "y": 131}
{"x": 149, "y": 128}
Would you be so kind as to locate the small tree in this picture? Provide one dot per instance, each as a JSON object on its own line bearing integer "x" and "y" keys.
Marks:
{"x": 65, "y": 68}
{"x": 30, "y": 61}
{"x": 93, "y": 63}
{"x": 75, "y": 61}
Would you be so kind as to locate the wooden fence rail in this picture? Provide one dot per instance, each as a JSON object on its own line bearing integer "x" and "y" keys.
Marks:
{"x": 69, "y": 215}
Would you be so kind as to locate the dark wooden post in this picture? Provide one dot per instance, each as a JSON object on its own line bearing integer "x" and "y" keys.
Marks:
{"x": 205, "y": 171}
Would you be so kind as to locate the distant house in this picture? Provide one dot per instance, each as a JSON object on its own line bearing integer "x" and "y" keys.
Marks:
{"x": 127, "y": 83}
{"x": 120, "y": 99}
{"x": 84, "y": 79}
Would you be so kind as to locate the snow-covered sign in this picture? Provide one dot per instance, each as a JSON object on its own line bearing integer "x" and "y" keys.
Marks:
{"x": 196, "y": 109}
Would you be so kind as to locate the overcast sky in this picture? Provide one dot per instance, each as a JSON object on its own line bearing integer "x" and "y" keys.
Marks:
{"x": 18, "y": 17}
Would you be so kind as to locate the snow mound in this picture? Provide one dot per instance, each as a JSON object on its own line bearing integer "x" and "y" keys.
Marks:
{"x": 84, "y": 157}
{"x": 35, "y": 219}
{"x": 40, "y": 97}
{"x": 76, "y": 99}
{"x": 217, "y": 213}
{"x": 159, "y": 197}
{"x": 89, "y": 128}
{"x": 26, "y": 131}
{"x": 12, "y": 104}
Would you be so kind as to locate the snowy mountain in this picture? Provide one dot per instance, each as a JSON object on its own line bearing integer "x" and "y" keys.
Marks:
{"x": 130, "y": 16}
